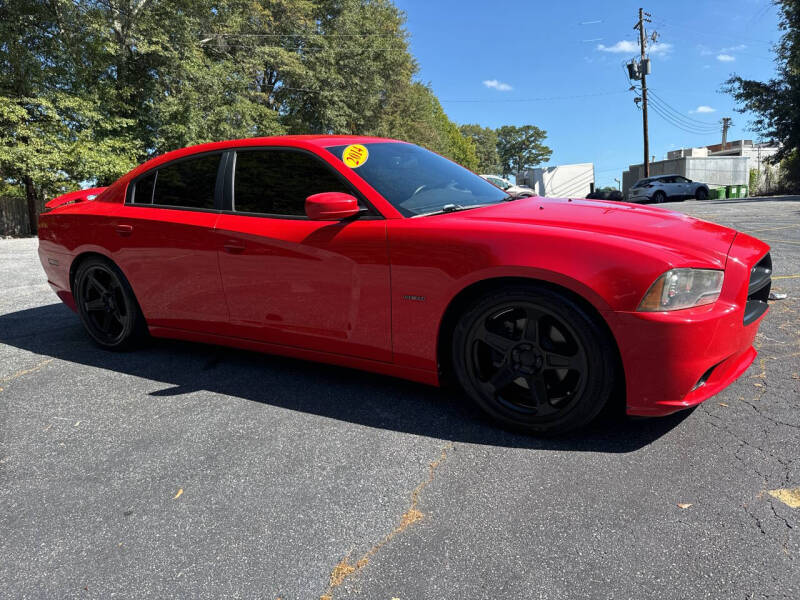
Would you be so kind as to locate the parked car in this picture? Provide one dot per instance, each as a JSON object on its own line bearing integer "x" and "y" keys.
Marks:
{"x": 380, "y": 255}
{"x": 666, "y": 187}
{"x": 606, "y": 195}
{"x": 515, "y": 191}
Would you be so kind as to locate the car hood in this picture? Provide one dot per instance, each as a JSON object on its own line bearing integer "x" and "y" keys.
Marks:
{"x": 655, "y": 226}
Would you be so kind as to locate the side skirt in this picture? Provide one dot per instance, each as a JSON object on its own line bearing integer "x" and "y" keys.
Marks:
{"x": 352, "y": 362}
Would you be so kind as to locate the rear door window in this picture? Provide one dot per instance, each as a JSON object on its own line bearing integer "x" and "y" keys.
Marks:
{"x": 143, "y": 192}
{"x": 187, "y": 183}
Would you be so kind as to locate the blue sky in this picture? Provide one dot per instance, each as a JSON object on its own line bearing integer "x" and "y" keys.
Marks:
{"x": 487, "y": 60}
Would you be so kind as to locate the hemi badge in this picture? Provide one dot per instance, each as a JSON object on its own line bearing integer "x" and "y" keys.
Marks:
{"x": 414, "y": 298}
{"x": 52, "y": 261}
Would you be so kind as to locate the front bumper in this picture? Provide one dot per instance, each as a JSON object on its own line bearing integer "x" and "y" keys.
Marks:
{"x": 676, "y": 360}
{"x": 638, "y": 198}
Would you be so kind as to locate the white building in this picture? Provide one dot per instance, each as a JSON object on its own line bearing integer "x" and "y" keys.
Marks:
{"x": 563, "y": 181}
{"x": 767, "y": 174}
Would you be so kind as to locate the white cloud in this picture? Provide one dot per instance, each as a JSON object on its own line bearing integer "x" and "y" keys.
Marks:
{"x": 620, "y": 46}
{"x": 659, "y": 48}
{"x": 723, "y": 54}
{"x": 628, "y": 46}
{"x": 497, "y": 85}
{"x": 733, "y": 48}
{"x": 703, "y": 109}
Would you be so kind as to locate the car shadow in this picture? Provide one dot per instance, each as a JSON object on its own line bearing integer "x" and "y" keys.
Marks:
{"x": 339, "y": 393}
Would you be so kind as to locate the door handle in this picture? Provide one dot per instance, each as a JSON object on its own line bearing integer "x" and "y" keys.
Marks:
{"x": 233, "y": 247}
{"x": 123, "y": 230}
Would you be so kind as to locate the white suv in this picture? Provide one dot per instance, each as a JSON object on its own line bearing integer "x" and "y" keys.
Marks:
{"x": 515, "y": 191}
{"x": 666, "y": 187}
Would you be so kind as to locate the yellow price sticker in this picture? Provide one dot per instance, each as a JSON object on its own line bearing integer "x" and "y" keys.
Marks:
{"x": 355, "y": 155}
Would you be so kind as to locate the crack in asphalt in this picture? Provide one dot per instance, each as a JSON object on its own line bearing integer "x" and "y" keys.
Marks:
{"x": 766, "y": 429}
{"x": 345, "y": 569}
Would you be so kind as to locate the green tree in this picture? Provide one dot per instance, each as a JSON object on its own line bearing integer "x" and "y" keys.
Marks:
{"x": 485, "y": 139}
{"x": 414, "y": 114}
{"x": 50, "y": 137}
{"x": 89, "y": 88}
{"x": 521, "y": 147}
{"x": 776, "y": 103}
{"x": 355, "y": 58}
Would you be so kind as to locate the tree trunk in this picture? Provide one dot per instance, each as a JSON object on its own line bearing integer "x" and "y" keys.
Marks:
{"x": 33, "y": 212}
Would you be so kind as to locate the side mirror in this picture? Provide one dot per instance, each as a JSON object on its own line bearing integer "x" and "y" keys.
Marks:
{"x": 331, "y": 206}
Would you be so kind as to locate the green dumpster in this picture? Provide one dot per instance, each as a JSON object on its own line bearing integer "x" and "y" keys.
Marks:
{"x": 742, "y": 191}
{"x": 717, "y": 193}
{"x": 731, "y": 191}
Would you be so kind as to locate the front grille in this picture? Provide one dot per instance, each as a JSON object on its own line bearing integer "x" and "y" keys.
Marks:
{"x": 758, "y": 290}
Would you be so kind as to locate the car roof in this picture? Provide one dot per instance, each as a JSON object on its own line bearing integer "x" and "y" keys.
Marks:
{"x": 300, "y": 141}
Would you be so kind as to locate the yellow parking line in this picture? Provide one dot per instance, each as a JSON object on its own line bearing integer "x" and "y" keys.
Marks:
{"x": 25, "y": 371}
{"x": 781, "y": 242}
{"x": 790, "y": 497}
{"x": 775, "y": 228}
{"x": 787, "y": 276}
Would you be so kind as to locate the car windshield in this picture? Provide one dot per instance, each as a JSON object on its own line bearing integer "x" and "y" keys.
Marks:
{"x": 418, "y": 182}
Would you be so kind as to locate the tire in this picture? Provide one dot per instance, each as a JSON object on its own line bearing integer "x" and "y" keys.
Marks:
{"x": 659, "y": 197}
{"x": 701, "y": 194}
{"x": 545, "y": 379}
{"x": 107, "y": 306}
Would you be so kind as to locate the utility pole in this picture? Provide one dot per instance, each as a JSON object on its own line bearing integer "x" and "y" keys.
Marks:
{"x": 726, "y": 123}
{"x": 643, "y": 67}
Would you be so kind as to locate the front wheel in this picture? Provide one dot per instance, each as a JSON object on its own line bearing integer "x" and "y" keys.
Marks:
{"x": 701, "y": 194}
{"x": 533, "y": 359}
{"x": 106, "y": 305}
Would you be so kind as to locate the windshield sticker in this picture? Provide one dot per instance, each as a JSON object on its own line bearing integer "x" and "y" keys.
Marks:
{"x": 355, "y": 155}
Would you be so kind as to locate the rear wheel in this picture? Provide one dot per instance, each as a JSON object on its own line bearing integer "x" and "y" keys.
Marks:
{"x": 533, "y": 359}
{"x": 659, "y": 197}
{"x": 106, "y": 305}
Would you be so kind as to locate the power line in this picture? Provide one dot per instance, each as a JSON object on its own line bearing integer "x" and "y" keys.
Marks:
{"x": 683, "y": 126}
{"x": 541, "y": 99}
{"x": 679, "y": 113}
{"x": 672, "y": 121}
{"x": 705, "y": 128}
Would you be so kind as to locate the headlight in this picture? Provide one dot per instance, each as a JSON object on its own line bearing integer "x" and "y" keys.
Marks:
{"x": 683, "y": 288}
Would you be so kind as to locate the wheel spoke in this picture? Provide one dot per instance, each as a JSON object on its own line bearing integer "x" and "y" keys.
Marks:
{"x": 93, "y": 282}
{"x": 96, "y": 304}
{"x": 106, "y": 322}
{"x": 502, "y": 378}
{"x": 496, "y": 342}
{"x": 538, "y": 390}
{"x": 531, "y": 332}
{"x": 554, "y": 360}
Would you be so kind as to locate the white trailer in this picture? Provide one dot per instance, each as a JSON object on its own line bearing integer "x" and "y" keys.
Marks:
{"x": 562, "y": 181}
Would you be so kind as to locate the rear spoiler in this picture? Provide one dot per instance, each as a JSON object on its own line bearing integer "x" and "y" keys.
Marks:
{"x": 74, "y": 197}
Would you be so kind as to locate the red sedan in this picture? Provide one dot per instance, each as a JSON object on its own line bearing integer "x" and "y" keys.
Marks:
{"x": 380, "y": 255}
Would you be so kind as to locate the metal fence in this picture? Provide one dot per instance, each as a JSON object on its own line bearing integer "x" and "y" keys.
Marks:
{"x": 14, "y": 215}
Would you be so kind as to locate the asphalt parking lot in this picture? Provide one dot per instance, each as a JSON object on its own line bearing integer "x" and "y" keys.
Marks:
{"x": 194, "y": 471}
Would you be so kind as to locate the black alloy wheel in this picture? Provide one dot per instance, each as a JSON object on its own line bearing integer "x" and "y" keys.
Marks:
{"x": 701, "y": 194}
{"x": 106, "y": 305}
{"x": 534, "y": 360}
{"x": 659, "y": 197}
